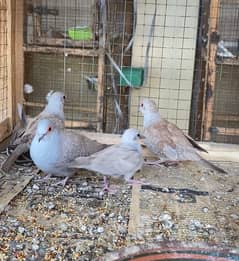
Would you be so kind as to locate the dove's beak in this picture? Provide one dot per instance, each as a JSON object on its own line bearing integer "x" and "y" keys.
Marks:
{"x": 42, "y": 136}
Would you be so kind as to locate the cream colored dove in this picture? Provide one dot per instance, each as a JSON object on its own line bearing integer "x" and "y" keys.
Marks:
{"x": 166, "y": 140}
{"x": 119, "y": 161}
{"x": 53, "y": 110}
{"x": 53, "y": 148}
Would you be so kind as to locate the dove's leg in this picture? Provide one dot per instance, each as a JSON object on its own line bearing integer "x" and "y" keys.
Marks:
{"x": 62, "y": 182}
{"x": 106, "y": 184}
{"x": 46, "y": 178}
{"x": 107, "y": 187}
{"x": 158, "y": 163}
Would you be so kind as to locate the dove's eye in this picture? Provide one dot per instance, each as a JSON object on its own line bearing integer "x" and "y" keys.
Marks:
{"x": 138, "y": 135}
{"x": 64, "y": 97}
{"x": 49, "y": 129}
{"x": 141, "y": 104}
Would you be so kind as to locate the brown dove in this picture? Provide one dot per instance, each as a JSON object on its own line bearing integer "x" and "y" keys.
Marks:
{"x": 52, "y": 148}
{"x": 166, "y": 140}
{"x": 53, "y": 110}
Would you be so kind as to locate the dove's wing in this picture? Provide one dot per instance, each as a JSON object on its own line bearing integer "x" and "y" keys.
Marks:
{"x": 167, "y": 141}
{"x": 77, "y": 145}
{"x": 117, "y": 160}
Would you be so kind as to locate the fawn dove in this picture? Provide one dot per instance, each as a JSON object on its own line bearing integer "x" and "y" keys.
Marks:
{"x": 166, "y": 140}
{"x": 119, "y": 160}
{"x": 53, "y": 148}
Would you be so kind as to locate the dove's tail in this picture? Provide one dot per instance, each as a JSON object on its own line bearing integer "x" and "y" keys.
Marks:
{"x": 213, "y": 166}
{"x": 195, "y": 144}
{"x": 80, "y": 163}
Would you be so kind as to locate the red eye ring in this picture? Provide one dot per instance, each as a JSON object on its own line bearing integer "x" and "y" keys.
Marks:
{"x": 49, "y": 129}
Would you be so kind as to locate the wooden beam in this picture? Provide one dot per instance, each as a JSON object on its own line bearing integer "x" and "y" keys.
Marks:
{"x": 5, "y": 128}
{"x": 100, "y": 92}
{"x": 210, "y": 69}
{"x": 72, "y": 107}
{"x": 80, "y": 124}
{"x": 101, "y": 66}
{"x": 9, "y": 64}
{"x": 17, "y": 55}
{"x": 228, "y": 131}
{"x": 61, "y": 50}
{"x": 225, "y": 117}
{"x": 47, "y": 41}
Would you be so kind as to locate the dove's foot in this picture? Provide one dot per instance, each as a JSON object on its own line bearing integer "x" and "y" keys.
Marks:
{"x": 46, "y": 178}
{"x": 62, "y": 182}
{"x": 107, "y": 188}
{"x": 158, "y": 163}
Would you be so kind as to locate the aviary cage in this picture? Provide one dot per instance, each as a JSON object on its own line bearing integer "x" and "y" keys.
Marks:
{"x": 106, "y": 55}
{"x": 65, "y": 46}
{"x": 215, "y": 110}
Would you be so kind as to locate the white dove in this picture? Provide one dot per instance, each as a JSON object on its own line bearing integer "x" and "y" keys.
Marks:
{"x": 166, "y": 140}
{"x": 53, "y": 148}
{"x": 119, "y": 161}
{"x": 54, "y": 110}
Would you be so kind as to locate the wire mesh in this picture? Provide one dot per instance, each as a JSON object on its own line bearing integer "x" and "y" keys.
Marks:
{"x": 3, "y": 61}
{"x": 168, "y": 51}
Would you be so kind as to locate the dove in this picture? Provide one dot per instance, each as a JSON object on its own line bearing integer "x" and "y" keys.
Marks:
{"x": 54, "y": 110}
{"x": 166, "y": 140}
{"x": 52, "y": 148}
{"x": 119, "y": 161}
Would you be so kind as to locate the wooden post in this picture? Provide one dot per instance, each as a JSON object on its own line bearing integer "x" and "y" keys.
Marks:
{"x": 210, "y": 70}
{"x": 5, "y": 77}
{"x": 101, "y": 65}
{"x": 17, "y": 55}
{"x": 9, "y": 63}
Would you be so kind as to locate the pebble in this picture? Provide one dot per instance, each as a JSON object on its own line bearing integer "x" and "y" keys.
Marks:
{"x": 83, "y": 228}
{"x": 122, "y": 230}
{"x": 205, "y": 209}
{"x": 63, "y": 226}
{"x": 50, "y": 205}
{"x": 35, "y": 247}
{"x": 100, "y": 230}
{"x": 21, "y": 230}
{"x": 35, "y": 187}
{"x": 19, "y": 246}
{"x": 111, "y": 215}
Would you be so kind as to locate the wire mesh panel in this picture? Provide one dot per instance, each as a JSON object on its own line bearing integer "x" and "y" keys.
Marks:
{"x": 3, "y": 60}
{"x": 225, "y": 123}
{"x": 65, "y": 49}
{"x": 165, "y": 43}
{"x": 106, "y": 55}
{"x": 215, "y": 110}
{"x": 5, "y": 70}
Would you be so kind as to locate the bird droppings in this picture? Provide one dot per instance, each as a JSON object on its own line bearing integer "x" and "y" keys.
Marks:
{"x": 80, "y": 222}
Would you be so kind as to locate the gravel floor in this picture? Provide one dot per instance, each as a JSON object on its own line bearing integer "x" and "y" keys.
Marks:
{"x": 80, "y": 222}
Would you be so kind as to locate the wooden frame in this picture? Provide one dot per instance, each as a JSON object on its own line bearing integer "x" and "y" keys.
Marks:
{"x": 17, "y": 55}
{"x": 209, "y": 87}
{"x": 7, "y": 123}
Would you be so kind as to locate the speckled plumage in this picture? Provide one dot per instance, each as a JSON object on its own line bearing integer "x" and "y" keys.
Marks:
{"x": 166, "y": 140}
